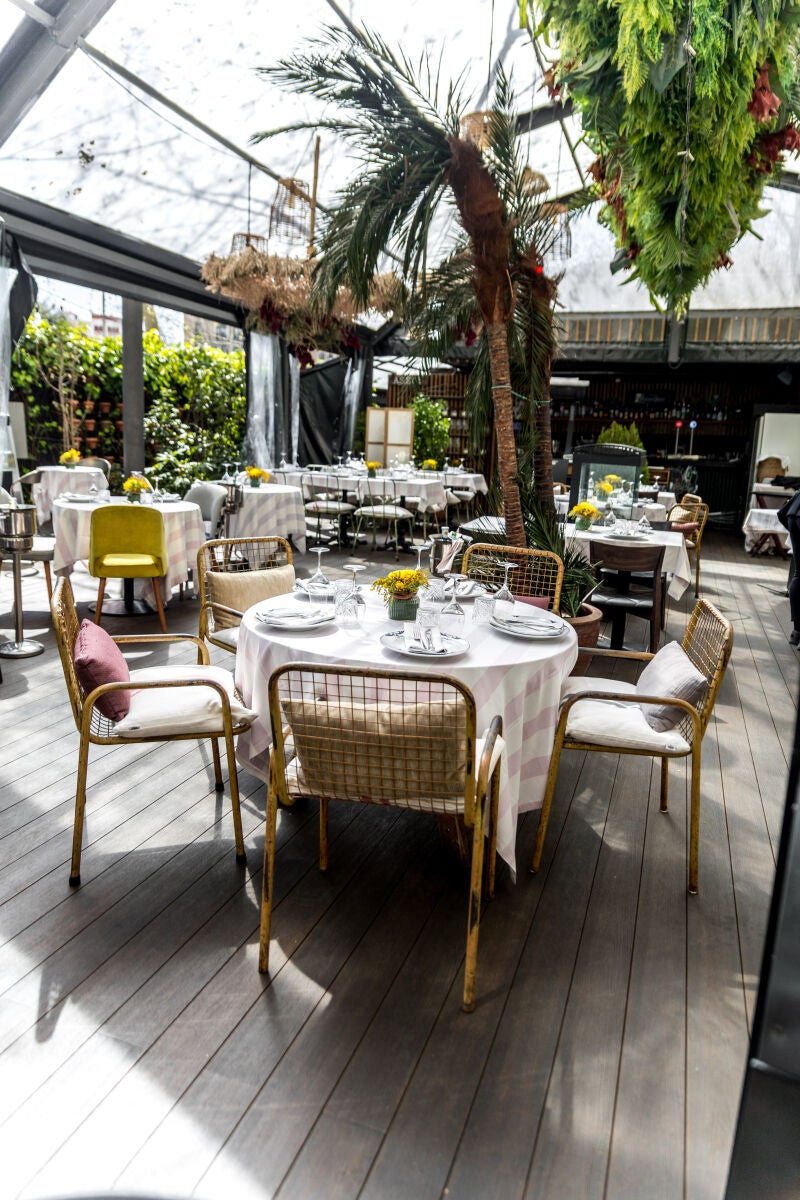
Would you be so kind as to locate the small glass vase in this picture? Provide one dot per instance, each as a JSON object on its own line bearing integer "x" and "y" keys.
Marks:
{"x": 583, "y": 523}
{"x": 370, "y": 472}
{"x": 403, "y": 608}
{"x": 134, "y": 498}
{"x": 70, "y": 466}
{"x": 255, "y": 483}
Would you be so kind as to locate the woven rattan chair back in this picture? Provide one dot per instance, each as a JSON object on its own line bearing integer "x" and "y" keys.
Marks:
{"x": 66, "y": 626}
{"x": 538, "y": 573}
{"x": 242, "y": 561}
{"x": 374, "y": 736}
{"x": 708, "y": 642}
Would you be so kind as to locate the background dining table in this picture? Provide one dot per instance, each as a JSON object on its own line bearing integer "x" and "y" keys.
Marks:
{"x": 183, "y": 529}
{"x": 54, "y": 481}
{"x": 519, "y": 679}
{"x": 676, "y": 556}
{"x": 273, "y": 509}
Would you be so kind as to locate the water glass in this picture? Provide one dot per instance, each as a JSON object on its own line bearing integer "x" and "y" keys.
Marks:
{"x": 482, "y": 610}
{"x": 428, "y": 617}
{"x": 436, "y": 586}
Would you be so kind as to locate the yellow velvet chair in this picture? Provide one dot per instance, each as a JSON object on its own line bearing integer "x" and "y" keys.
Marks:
{"x": 127, "y": 542}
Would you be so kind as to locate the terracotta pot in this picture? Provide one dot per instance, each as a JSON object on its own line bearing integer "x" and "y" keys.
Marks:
{"x": 105, "y": 406}
{"x": 91, "y": 442}
{"x": 587, "y": 627}
{"x": 89, "y": 425}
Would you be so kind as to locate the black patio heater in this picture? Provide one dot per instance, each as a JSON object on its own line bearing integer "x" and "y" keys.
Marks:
{"x": 593, "y": 464}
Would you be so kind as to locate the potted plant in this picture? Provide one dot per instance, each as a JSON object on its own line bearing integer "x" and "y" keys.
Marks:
{"x": 399, "y": 589}
{"x": 545, "y": 532}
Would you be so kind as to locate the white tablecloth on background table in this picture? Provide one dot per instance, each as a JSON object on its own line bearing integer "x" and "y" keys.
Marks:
{"x": 418, "y": 483}
{"x": 760, "y": 521}
{"x": 272, "y": 510}
{"x": 655, "y": 510}
{"x": 518, "y": 679}
{"x": 183, "y": 530}
{"x": 430, "y": 492}
{"x": 676, "y": 556}
{"x": 55, "y": 480}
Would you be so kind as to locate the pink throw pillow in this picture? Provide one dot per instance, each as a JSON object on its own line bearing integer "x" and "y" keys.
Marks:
{"x": 685, "y": 527}
{"x": 536, "y": 601}
{"x": 98, "y": 659}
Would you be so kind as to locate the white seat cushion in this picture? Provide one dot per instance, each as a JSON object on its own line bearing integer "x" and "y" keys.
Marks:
{"x": 614, "y": 723}
{"x": 227, "y": 637}
{"x": 392, "y": 512}
{"x": 168, "y": 711}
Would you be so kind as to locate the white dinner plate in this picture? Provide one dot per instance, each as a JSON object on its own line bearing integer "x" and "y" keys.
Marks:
{"x": 77, "y": 498}
{"x": 294, "y": 619}
{"x": 523, "y": 627}
{"x": 167, "y": 498}
{"x": 626, "y": 537}
{"x": 452, "y": 646}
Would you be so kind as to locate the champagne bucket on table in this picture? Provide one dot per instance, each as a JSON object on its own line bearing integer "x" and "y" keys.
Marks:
{"x": 17, "y": 529}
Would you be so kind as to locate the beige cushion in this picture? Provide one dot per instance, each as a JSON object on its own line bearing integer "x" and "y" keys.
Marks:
{"x": 242, "y": 589}
{"x": 614, "y": 723}
{"x": 229, "y": 636}
{"x": 166, "y": 711}
{"x": 362, "y": 750}
{"x": 670, "y": 673}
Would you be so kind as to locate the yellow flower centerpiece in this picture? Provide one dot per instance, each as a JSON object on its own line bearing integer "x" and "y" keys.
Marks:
{"x": 614, "y": 480}
{"x": 584, "y": 514}
{"x": 70, "y": 457}
{"x": 256, "y": 476}
{"x": 133, "y": 487}
{"x": 399, "y": 590}
{"x": 429, "y": 464}
{"x": 604, "y": 487}
{"x": 372, "y": 468}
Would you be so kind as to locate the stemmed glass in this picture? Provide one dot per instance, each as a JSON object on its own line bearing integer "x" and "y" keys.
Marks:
{"x": 227, "y": 477}
{"x": 611, "y": 519}
{"x": 420, "y": 551}
{"x": 156, "y": 488}
{"x": 504, "y": 596}
{"x": 319, "y": 579}
{"x": 453, "y": 615}
{"x": 356, "y": 568}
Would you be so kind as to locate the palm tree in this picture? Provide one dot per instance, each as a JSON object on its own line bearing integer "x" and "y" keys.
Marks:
{"x": 413, "y": 158}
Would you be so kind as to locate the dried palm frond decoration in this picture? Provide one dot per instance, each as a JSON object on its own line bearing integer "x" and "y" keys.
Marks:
{"x": 277, "y": 293}
{"x": 241, "y": 241}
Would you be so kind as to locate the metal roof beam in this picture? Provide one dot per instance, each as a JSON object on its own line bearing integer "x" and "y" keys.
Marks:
{"x": 34, "y": 55}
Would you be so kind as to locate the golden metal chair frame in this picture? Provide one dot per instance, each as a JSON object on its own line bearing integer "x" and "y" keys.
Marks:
{"x": 538, "y": 573}
{"x": 335, "y": 710}
{"x": 691, "y": 508}
{"x": 708, "y": 642}
{"x": 230, "y": 555}
{"x": 95, "y": 729}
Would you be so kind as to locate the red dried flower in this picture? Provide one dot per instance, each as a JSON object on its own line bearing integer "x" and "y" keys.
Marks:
{"x": 764, "y": 104}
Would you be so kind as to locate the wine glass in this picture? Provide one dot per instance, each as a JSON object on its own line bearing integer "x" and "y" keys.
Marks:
{"x": 227, "y": 477}
{"x": 420, "y": 551}
{"x": 453, "y": 615}
{"x": 356, "y": 568}
{"x": 156, "y": 488}
{"x": 610, "y": 519}
{"x": 504, "y": 597}
{"x": 319, "y": 579}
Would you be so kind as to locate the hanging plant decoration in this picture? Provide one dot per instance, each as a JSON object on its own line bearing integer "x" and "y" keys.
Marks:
{"x": 276, "y": 292}
{"x": 689, "y": 106}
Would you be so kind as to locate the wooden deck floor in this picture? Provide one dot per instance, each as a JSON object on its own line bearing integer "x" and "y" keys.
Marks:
{"x": 140, "y": 1050}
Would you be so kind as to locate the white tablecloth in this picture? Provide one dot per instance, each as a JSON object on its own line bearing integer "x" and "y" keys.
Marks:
{"x": 431, "y": 492}
{"x": 676, "y": 556}
{"x": 272, "y": 510}
{"x": 55, "y": 480}
{"x": 760, "y": 521}
{"x": 519, "y": 680}
{"x": 183, "y": 530}
{"x": 654, "y": 510}
{"x": 420, "y": 483}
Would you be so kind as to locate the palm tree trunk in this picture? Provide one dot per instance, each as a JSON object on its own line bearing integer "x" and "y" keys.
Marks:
{"x": 503, "y": 402}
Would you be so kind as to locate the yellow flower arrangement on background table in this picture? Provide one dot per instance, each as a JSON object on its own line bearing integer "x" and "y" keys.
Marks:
{"x": 133, "y": 487}
{"x": 372, "y": 468}
{"x": 604, "y": 487}
{"x": 257, "y": 476}
{"x": 399, "y": 589}
{"x": 584, "y": 514}
{"x": 429, "y": 464}
{"x": 70, "y": 457}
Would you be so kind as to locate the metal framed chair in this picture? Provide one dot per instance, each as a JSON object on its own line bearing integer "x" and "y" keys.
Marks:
{"x": 690, "y": 517}
{"x": 631, "y": 584}
{"x": 325, "y": 503}
{"x": 234, "y": 573}
{"x": 189, "y": 689}
{"x": 375, "y": 737}
{"x": 379, "y": 505}
{"x": 92, "y": 460}
{"x": 539, "y": 573}
{"x": 126, "y": 541}
{"x": 707, "y": 643}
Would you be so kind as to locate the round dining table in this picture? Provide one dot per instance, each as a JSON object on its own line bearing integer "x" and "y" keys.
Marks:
{"x": 183, "y": 530}
{"x": 274, "y": 509}
{"x": 518, "y": 679}
{"x": 55, "y": 481}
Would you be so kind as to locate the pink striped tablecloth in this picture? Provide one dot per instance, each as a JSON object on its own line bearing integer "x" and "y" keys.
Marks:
{"x": 272, "y": 510}
{"x": 53, "y": 481}
{"x": 183, "y": 530}
{"x": 518, "y": 679}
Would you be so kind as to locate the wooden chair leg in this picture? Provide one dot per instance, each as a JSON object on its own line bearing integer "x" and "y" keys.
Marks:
{"x": 160, "y": 604}
{"x": 323, "y": 834}
{"x": 664, "y": 782}
{"x": 98, "y": 608}
{"x": 268, "y": 877}
{"x": 80, "y": 808}
{"x": 547, "y": 802}
{"x": 474, "y": 913}
{"x": 694, "y": 821}
{"x": 236, "y": 810}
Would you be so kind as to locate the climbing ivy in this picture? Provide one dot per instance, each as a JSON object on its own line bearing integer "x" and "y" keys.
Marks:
{"x": 629, "y": 67}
